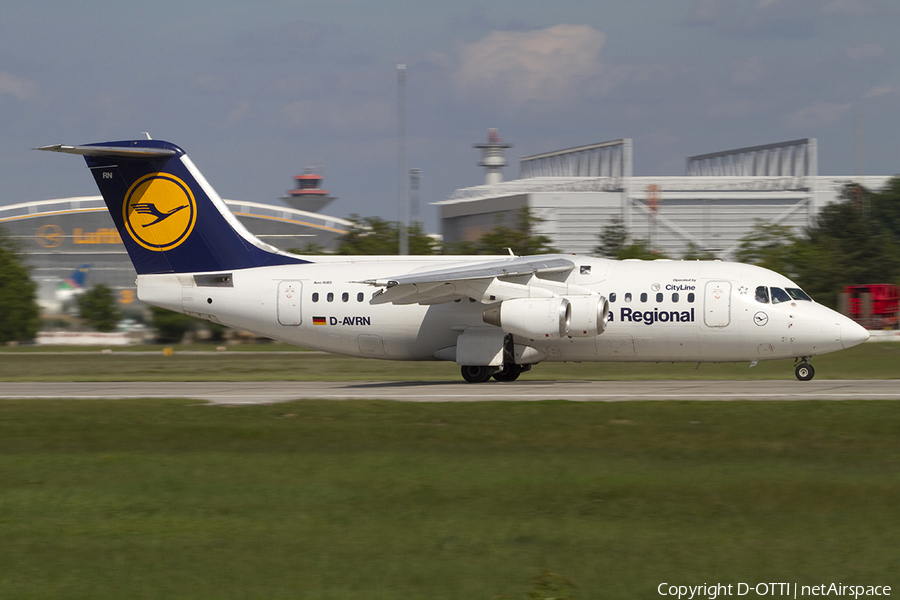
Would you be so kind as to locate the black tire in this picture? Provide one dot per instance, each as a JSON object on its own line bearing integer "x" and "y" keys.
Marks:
{"x": 510, "y": 372}
{"x": 804, "y": 372}
{"x": 476, "y": 374}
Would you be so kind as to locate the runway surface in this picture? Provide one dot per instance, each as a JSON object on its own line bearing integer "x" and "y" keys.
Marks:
{"x": 584, "y": 391}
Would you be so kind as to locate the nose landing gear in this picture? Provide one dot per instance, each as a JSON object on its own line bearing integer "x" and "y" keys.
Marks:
{"x": 804, "y": 371}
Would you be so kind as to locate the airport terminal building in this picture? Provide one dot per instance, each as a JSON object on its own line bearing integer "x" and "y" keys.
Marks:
{"x": 60, "y": 236}
{"x": 576, "y": 192}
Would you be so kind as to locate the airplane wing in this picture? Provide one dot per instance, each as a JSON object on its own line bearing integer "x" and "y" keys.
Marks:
{"x": 489, "y": 281}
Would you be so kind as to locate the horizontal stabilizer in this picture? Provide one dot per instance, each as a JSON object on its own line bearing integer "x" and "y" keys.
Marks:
{"x": 117, "y": 151}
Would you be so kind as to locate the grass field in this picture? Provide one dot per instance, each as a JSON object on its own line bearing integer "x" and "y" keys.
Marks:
{"x": 249, "y": 363}
{"x": 170, "y": 499}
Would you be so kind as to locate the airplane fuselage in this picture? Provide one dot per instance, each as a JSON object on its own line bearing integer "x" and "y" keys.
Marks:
{"x": 659, "y": 311}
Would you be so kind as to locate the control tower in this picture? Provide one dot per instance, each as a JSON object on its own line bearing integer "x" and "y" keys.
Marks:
{"x": 492, "y": 158}
{"x": 308, "y": 195}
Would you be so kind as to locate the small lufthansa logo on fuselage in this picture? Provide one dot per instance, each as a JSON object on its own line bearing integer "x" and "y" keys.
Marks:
{"x": 159, "y": 211}
{"x": 760, "y": 318}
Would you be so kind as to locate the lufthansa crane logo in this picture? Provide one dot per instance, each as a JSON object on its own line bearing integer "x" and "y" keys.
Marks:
{"x": 159, "y": 211}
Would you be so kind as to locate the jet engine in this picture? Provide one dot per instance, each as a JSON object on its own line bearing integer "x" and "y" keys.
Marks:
{"x": 590, "y": 315}
{"x": 532, "y": 318}
{"x": 551, "y": 318}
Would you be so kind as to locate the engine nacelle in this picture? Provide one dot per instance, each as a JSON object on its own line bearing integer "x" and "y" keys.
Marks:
{"x": 590, "y": 314}
{"x": 532, "y": 318}
{"x": 551, "y": 318}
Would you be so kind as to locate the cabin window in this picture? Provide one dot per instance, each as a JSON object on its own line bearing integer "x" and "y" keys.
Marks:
{"x": 359, "y": 297}
{"x": 659, "y": 297}
{"x": 690, "y": 296}
{"x": 675, "y": 297}
{"x": 585, "y": 269}
{"x": 330, "y": 297}
{"x": 315, "y": 296}
{"x": 627, "y": 296}
{"x": 612, "y": 297}
{"x": 762, "y": 294}
{"x": 798, "y": 294}
{"x": 643, "y": 296}
{"x": 779, "y": 296}
{"x": 345, "y": 297}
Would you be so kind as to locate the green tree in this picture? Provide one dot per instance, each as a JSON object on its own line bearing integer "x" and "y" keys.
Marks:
{"x": 695, "y": 252}
{"x": 170, "y": 326}
{"x": 768, "y": 245}
{"x": 843, "y": 247}
{"x": 521, "y": 239}
{"x": 97, "y": 307}
{"x": 613, "y": 238}
{"x": 375, "y": 236}
{"x": 884, "y": 207}
{"x": 616, "y": 243}
{"x": 19, "y": 312}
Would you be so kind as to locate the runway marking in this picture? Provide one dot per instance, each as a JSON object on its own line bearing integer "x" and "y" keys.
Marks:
{"x": 577, "y": 391}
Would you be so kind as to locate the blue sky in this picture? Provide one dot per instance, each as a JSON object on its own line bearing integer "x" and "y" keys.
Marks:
{"x": 256, "y": 91}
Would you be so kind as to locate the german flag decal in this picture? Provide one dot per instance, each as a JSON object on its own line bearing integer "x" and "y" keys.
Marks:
{"x": 320, "y": 321}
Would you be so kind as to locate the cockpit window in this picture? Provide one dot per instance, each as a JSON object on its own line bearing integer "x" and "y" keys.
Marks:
{"x": 779, "y": 296}
{"x": 798, "y": 294}
{"x": 762, "y": 294}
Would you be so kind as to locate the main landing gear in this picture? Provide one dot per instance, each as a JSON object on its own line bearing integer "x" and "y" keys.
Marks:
{"x": 508, "y": 372}
{"x": 804, "y": 371}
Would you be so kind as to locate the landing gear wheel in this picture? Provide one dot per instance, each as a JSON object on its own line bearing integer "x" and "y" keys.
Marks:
{"x": 804, "y": 371}
{"x": 509, "y": 372}
{"x": 477, "y": 374}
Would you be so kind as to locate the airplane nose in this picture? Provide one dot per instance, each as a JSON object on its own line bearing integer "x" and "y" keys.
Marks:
{"x": 852, "y": 333}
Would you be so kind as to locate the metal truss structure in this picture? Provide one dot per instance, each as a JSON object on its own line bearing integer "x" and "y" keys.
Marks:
{"x": 606, "y": 159}
{"x": 797, "y": 159}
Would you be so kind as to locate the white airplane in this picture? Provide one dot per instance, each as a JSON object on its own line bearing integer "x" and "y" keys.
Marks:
{"x": 495, "y": 316}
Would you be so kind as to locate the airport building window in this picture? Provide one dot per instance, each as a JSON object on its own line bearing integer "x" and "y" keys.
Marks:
{"x": 643, "y": 296}
{"x": 359, "y": 297}
{"x": 330, "y": 297}
{"x": 659, "y": 297}
{"x": 315, "y": 296}
{"x": 345, "y": 297}
{"x": 627, "y": 296}
{"x": 612, "y": 297}
{"x": 675, "y": 297}
{"x": 691, "y": 297}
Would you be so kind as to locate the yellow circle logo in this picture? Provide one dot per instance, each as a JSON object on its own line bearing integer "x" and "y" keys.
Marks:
{"x": 49, "y": 236}
{"x": 159, "y": 211}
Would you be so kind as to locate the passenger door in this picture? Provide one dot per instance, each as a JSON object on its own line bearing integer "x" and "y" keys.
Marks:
{"x": 717, "y": 304}
{"x": 289, "y": 302}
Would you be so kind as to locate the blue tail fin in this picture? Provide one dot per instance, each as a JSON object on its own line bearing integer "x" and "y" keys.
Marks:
{"x": 76, "y": 278}
{"x": 170, "y": 218}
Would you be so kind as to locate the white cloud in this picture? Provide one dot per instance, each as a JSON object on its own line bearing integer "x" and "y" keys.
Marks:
{"x": 21, "y": 89}
{"x": 239, "y": 112}
{"x": 735, "y": 108}
{"x": 845, "y": 7}
{"x": 747, "y": 71}
{"x": 878, "y": 90}
{"x": 364, "y": 116}
{"x": 865, "y": 51}
{"x": 546, "y": 65}
{"x": 816, "y": 115}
